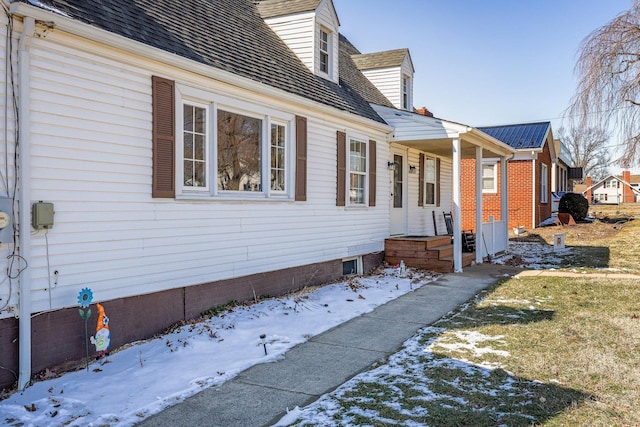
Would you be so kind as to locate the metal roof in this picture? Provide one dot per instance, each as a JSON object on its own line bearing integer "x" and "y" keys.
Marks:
{"x": 524, "y": 136}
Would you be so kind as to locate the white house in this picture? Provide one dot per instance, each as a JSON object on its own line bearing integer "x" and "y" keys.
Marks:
{"x": 171, "y": 171}
{"x": 613, "y": 189}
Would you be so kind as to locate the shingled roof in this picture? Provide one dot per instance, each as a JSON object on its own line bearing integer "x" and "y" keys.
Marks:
{"x": 271, "y": 8}
{"x": 525, "y": 136}
{"x": 353, "y": 78}
{"x": 385, "y": 59}
{"x": 226, "y": 34}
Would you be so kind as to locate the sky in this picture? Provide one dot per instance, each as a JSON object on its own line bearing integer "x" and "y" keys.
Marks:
{"x": 483, "y": 63}
{"x": 94, "y": 396}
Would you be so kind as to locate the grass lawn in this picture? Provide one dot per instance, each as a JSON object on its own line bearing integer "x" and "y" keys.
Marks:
{"x": 553, "y": 351}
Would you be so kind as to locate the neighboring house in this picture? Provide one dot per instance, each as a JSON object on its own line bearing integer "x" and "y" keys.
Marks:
{"x": 563, "y": 174}
{"x": 247, "y": 156}
{"x": 613, "y": 189}
{"x": 529, "y": 180}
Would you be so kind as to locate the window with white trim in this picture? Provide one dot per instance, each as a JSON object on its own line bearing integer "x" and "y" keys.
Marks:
{"x": 489, "y": 178}
{"x": 194, "y": 146}
{"x": 430, "y": 177}
{"x": 544, "y": 183}
{"x": 278, "y": 157}
{"x": 357, "y": 172}
{"x": 247, "y": 155}
{"x": 406, "y": 90}
{"x": 324, "y": 50}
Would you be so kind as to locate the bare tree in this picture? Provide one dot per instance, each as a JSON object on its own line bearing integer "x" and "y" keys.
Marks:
{"x": 588, "y": 149}
{"x": 608, "y": 92}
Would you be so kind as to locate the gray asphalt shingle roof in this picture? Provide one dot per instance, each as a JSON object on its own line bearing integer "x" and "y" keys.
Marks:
{"x": 520, "y": 136}
{"x": 387, "y": 58}
{"x": 226, "y": 34}
{"x": 271, "y": 8}
{"x": 353, "y": 78}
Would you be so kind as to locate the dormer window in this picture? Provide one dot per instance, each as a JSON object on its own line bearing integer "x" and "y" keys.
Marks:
{"x": 324, "y": 46}
{"x": 406, "y": 90}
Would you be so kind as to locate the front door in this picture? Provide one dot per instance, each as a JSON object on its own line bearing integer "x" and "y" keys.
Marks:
{"x": 399, "y": 195}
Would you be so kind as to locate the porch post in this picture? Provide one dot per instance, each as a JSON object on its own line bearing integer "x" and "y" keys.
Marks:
{"x": 479, "y": 237}
{"x": 504, "y": 198}
{"x": 457, "y": 199}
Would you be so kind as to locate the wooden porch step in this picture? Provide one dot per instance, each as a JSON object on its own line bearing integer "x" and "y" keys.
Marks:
{"x": 430, "y": 253}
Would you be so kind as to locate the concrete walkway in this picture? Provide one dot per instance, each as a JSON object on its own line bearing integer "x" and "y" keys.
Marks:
{"x": 261, "y": 394}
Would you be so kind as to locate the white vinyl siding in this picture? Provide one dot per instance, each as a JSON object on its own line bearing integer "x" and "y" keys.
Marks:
{"x": 7, "y": 150}
{"x": 297, "y": 33}
{"x": 91, "y": 158}
{"x": 389, "y": 81}
{"x": 300, "y": 32}
{"x": 420, "y": 221}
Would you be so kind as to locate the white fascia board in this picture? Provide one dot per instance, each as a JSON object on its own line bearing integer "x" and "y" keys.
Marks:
{"x": 447, "y": 129}
{"x": 97, "y": 35}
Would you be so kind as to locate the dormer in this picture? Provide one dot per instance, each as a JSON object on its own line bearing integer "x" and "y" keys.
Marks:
{"x": 309, "y": 28}
{"x": 392, "y": 73}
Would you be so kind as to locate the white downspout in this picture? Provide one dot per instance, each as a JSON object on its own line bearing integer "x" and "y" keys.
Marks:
{"x": 504, "y": 199}
{"x": 533, "y": 198}
{"x": 24, "y": 188}
{"x": 457, "y": 200}
{"x": 479, "y": 208}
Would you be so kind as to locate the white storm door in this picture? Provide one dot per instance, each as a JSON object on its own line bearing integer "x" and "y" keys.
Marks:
{"x": 399, "y": 195}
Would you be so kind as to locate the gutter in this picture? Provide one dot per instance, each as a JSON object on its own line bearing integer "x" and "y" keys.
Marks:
{"x": 24, "y": 280}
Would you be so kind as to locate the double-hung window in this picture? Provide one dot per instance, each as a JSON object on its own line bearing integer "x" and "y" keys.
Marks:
{"x": 195, "y": 135}
{"x": 489, "y": 178}
{"x": 544, "y": 183}
{"x": 324, "y": 50}
{"x": 406, "y": 90}
{"x": 234, "y": 149}
{"x": 430, "y": 181}
{"x": 357, "y": 172}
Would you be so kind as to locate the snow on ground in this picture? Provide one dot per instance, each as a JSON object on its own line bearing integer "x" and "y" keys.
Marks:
{"x": 163, "y": 371}
{"x": 535, "y": 256}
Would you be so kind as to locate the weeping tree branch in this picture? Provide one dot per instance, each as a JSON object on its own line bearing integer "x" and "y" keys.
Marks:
{"x": 608, "y": 70}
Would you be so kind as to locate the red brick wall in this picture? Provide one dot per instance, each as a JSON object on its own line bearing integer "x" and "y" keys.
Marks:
{"x": 627, "y": 196}
{"x": 520, "y": 194}
{"x": 543, "y": 210}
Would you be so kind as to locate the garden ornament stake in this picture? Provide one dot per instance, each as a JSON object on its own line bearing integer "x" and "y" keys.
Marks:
{"x": 84, "y": 301}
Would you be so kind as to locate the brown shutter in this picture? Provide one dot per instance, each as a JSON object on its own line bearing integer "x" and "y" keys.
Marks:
{"x": 372, "y": 173}
{"x": 421, "y": 180}
{"x": 163, "y": 136}
{"x": 301, "y": 159}
{"x": 438, "y": 182}
{"x": 341, "y": 138}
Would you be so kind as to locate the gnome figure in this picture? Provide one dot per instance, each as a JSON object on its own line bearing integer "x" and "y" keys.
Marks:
{"x": 102, "y": 338}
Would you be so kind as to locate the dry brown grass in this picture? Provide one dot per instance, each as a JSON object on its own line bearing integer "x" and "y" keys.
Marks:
{"x": 611, "y": 242}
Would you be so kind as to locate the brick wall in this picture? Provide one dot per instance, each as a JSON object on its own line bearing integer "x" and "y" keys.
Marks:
{"x": 627, "y": 196}
{"x": 521, "y": 196}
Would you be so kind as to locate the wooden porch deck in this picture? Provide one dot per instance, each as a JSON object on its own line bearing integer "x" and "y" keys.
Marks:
{"x": 433, "y": 253}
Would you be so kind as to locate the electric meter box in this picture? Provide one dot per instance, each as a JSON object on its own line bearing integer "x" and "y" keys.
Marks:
{"x": 6, "y": 220}
{"x": 42, "y": 215}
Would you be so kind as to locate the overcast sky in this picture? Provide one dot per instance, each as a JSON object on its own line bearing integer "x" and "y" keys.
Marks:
{"x": 483, "y": 62}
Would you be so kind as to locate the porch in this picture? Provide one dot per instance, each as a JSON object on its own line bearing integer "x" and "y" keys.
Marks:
{"x": 434, "y": 253}
{"x": 421, "y": 186}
